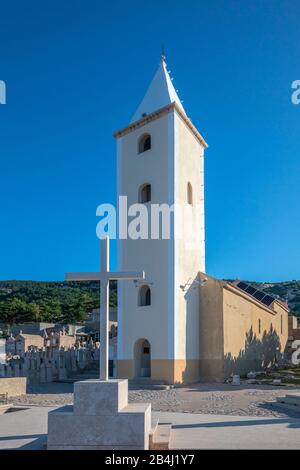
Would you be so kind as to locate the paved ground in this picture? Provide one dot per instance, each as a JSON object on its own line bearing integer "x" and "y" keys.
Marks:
{"x": 24, "y": 430}
{"x": 220, "y": 399}
{"x": 27, "y": 429}
{"x": 198, "y": 431}
{"x": 216, "y": 416}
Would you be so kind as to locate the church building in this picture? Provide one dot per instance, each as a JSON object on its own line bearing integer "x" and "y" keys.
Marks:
{"x": 178, "y": 325}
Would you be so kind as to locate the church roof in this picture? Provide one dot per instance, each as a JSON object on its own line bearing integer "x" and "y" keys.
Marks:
{"x": 257, "y": 294}
{"x": 160, "y": 93}
{"x": 260, "y": 298}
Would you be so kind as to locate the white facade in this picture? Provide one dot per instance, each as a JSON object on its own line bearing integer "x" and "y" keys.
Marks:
{"x": 175, "y": 160}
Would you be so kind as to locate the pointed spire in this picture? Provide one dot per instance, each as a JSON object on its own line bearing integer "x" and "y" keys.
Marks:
{"x": 163, "y": 55}
{"x": 160, "y": 93}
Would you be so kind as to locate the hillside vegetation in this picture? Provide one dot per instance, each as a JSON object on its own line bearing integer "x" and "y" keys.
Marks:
{"x": 288, "y": 291}
{"x": 29, "y": 301}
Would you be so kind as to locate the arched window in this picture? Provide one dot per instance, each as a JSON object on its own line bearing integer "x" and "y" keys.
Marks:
{"x": 144, "y": 296}
{"x": 144, "y": 143}
{"x": 145, "y": 193}
{"x": 189, "y": 194}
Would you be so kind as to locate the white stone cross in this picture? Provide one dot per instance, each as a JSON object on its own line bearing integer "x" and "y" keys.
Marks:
{"x": 104, "y": 276}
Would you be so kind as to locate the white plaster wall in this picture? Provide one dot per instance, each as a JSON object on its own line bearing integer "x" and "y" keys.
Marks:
{"x": 171, "y": 323}
{"x": 150, "y": 322}
{"x": 189, "y": 258}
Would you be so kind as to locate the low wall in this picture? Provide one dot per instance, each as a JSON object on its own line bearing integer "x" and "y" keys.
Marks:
{"x": 13, "y": 386}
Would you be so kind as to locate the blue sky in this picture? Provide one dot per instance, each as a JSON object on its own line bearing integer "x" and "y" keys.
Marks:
{"x": 76, "y": 71}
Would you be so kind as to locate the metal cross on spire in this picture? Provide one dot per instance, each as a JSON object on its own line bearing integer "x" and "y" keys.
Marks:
{"x": 104, "y": 276}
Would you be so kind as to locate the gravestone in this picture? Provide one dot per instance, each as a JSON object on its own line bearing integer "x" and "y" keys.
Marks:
{"x": 62, "y": 371}
{"x": 81, "y": 358}
{"x": 26, "y": 365}
{"x": 73, "y": 360}
{"x": 49, "y": 371}
{"x": 16, "y": 370}
{"x": 8, "y": 371}
{"x": 42, "y": 373}
{"x": 55, "y": 353}
{"x": 236, "y": 380}
{"x": 68, "y": 360}
{"x": 32, "y": 361}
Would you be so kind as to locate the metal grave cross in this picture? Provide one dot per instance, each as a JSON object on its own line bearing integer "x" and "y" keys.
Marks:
{"x": 104, "y": 276}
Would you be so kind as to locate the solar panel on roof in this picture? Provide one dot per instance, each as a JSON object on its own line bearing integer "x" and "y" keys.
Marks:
{"x": 242, "y": 285}
{"x": 256, "y": 294}
{"x": 259, "y": 295}
{"x": 267, "y": 300}
{"x": 250, "y": 290}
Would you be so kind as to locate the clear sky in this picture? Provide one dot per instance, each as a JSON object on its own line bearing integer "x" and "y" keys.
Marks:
{"x": 76, "y": 71}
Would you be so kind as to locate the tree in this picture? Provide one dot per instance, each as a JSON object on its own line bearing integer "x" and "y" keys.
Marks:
{"x": 15, "y": 310}
{"x": 35, "y": 312}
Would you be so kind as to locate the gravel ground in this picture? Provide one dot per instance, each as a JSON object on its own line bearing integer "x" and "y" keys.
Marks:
{"x": 246, "y": 400}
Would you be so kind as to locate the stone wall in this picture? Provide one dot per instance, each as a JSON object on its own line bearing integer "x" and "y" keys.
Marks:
{"x": 13, "y": 386}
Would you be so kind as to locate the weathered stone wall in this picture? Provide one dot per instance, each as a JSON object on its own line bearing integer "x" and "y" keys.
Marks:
{"x": 13, "y": 386}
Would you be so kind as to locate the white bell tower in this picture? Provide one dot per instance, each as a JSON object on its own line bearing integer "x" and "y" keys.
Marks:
{"x": 160, "y": 158}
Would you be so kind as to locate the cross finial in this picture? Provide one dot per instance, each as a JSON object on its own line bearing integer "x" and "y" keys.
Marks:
{"x": 163, "y": 55}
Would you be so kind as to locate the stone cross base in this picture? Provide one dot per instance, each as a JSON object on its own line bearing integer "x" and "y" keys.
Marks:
{"x": 100, "y": 419}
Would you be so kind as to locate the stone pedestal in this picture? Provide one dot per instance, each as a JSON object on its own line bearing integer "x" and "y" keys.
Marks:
{"x": 101, "y": 418}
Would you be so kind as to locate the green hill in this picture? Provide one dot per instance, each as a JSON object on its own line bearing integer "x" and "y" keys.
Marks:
{"x": 26, "y": 301}
{"x": 288, "y": 291}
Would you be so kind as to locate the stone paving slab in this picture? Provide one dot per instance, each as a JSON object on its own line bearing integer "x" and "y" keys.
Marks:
{"x": 198, "y": 431}
{"x": 24, "y": 430}
{"x": 27, "y": 430}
